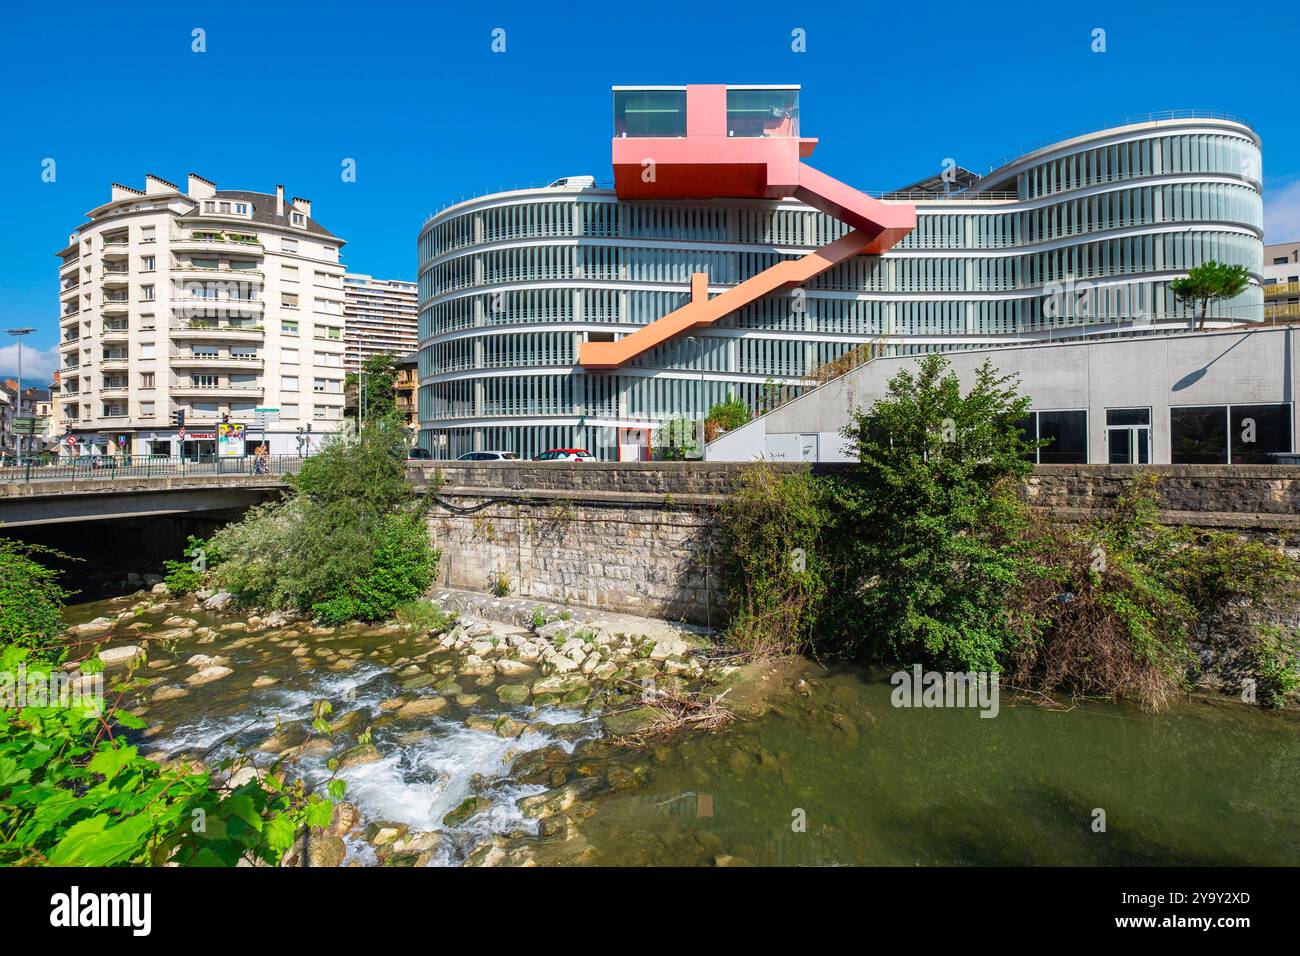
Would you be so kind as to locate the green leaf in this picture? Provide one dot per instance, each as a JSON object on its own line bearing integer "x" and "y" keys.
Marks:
{"x": 93, "y": 843}
{"x": 111, "y": 760}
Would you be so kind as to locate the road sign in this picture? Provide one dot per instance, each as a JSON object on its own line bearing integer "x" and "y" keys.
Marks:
{"x": 180, "y": 432}
{"x": 27, "y": 425}
{"x": 70, "y": 440}
{"x": 267, "y": 411}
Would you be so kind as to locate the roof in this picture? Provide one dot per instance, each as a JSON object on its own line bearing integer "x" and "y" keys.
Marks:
{"x": 961, "y": 178}
{"x": 264, "y": 211}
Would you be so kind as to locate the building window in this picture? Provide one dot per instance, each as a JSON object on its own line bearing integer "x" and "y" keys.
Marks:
{"x": 1128, "y": 436}
{"x": 203, "y": 381}
{"x": 298, "y": 219}
{"x": 289, "y": 273}
{"x": 147, "y": 410}
{"x": 288, "y": 356}
{"x": 289, "y": 245}
{"x": 1258, "y": 432}
{"x": 288, "y": 410}
{"x": 1066, "y": 434}
{"x": 146, "y": 293}
{"x": 318, "y": 411}
{"x": 288, "y": 383}
{"x": 146, "y": 263}
{"x": 289, "y": 300}
{"x": 289, "y": 328}
{"x": 146, "y": 379}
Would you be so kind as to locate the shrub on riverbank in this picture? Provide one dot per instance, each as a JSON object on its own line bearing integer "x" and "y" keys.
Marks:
{"x": 350, "y": 543}
{"x": 925, "y": 554}
{"x": 74, "y": 793}
{"x": 31, "y": 598}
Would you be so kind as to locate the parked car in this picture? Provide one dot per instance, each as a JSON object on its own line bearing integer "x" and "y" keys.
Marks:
{"x": 419, "y": 454}
{"x": 565, "y": 454}
{"x": 488, "y": 456}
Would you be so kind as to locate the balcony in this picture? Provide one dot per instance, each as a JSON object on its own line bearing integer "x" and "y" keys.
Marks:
{"x": 1281, "y": 288}
{"x": 116, "y": 306}
{"x": 115, "y": 278}
{"x": 225, "y": 333}
{"x": 192, "y": 390}
{"x": 218, "y": 361}
{"x": 197, "y": 306}
{"x": 186, "y": 270}
{"x": 116, "y": 248}
{"x": 216, "y": 242}
{"x": 114, "y": 335}
{"x": 1290, "y": 311}
{"x": 68, "y": 264}
{"x": 71, "y": 287}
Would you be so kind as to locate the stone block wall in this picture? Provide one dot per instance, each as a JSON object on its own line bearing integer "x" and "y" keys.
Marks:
{"x": 640, "y": 538}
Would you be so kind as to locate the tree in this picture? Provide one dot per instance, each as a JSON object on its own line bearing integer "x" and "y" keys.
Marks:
{"x": 1210, "y": 282}
{"x": 930, "y": 534}
{"x": 378, "y": 400}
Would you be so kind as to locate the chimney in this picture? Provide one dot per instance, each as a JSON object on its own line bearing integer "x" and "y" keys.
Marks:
{"x": 302, "y": 205}
{"x": 157, "y": 186}
{"x": 123, "y": 192}
{"x": 279, "y": 200}
{"x": 196, "y": 187}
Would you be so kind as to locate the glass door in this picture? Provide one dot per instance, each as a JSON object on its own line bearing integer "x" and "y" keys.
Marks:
{"x": 1128, "y": 436}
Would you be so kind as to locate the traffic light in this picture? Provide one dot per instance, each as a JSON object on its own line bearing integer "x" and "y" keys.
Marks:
{"x": 225, "y": 419}
{"x": 178, "y": 418}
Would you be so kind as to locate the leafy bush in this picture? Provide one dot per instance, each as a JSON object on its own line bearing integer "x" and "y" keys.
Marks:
{"x": 349, "y": 543}
{"x": 425, "y": 617}
{"x": 725, "y": 416}
{"x": 771, "y": 561}
{"x": 31, "y": 598}
{"x": 929, "y": 528}
{"x": 187, "y": 576}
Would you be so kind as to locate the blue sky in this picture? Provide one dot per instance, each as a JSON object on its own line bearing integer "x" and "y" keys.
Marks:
{"x": 414, "y": 94}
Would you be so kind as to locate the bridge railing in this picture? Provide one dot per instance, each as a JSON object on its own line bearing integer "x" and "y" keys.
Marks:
{"x": 109, "y": 467}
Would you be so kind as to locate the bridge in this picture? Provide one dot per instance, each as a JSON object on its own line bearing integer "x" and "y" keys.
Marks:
{"x": 72, "y": 491}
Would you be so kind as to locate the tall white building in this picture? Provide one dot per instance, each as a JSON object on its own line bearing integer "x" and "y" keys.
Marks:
{"x": 382, "y": 315}
{"x": 208, "y": 302}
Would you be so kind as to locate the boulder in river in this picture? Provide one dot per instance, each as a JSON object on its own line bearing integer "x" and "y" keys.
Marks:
{"x": 421, "y": 707}
{"x": 114, "y": 656}
{"x": 208, "y": 674}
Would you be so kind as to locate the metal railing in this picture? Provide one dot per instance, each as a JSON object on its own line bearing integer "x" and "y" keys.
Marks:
{"x": 109, "y": 467}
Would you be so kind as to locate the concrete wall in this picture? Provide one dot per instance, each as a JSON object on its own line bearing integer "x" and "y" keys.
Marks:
{"x": 1159, "y": 372}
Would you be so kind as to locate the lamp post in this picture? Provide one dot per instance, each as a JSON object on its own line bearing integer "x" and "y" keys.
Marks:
{"x": 18, "y": 334}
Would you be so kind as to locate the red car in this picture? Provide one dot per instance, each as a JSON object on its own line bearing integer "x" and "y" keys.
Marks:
{"x": 565, "y": 454}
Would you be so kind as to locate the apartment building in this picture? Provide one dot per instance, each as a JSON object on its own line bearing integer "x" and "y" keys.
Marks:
{"x": 380, "y": 315}
{"x": 1282, "y": 281}
{"x": 209, "y": 302}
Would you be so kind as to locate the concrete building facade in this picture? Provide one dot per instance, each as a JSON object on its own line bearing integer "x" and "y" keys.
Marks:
{"x": 1225, "y": 397}
{"x": 1077, "y": 238}
{"x": 203, "y": 301}
{"x": 1281, "y": 281}
{"x": 380, "y": 316}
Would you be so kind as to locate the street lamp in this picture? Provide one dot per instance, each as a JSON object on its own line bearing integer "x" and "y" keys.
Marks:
{"x": 18, "y": 334}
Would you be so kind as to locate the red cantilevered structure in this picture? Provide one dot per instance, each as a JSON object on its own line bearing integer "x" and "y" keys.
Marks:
{"x": 735, "y": 142}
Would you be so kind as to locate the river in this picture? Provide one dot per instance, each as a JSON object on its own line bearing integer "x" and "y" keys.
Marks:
{"x": 831, "y": 774}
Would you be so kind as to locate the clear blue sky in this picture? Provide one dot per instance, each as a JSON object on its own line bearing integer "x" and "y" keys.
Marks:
{"x": 414, "y": 93}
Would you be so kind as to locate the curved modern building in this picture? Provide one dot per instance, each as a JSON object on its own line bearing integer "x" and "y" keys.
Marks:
{"x": 722, "y": 264}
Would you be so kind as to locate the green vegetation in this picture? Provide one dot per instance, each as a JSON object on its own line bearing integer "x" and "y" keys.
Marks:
{"x": 74, "y": 793}
{"x": 425, "y": 617}
{"x": 675, "y": 440}
{"x": 31, "y": 598}
{"x": 927, "y": 554}
{"x": 349, "y": 543}
{"x": 724, "y": 417}
{"x": 187, "y": 576}
{"x": 378, "y": 399}
{"x": 1210, "y": 282}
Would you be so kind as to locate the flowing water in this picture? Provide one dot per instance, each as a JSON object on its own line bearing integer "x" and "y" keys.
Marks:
{"x": 831, "y": 774}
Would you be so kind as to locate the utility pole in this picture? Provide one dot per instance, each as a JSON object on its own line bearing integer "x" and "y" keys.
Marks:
{"x": 18, "y": 334}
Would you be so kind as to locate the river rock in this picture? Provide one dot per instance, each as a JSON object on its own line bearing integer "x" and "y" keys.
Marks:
{"x": 421, "y": 707}
{"x": 361, "y": 754}
{"x": 513, "y": 693}
{"x": 286, "y": 738}
{"x": 265, "y": 680}
{"x": 207, "y": 675}
{"x": 219, "y": 601}
{"x": 204, "y": 660}
{"x": 350, "y": 722}
{"x": 546, "y": 804}
{"x": 475, "y": 722}
{"x": 468, "y": 700}
{"x": 325, "y": 849}
{"x": 507, "y": 726}
{"x": 559, "y": 684}
{"x": 508, "y": 668}
{"x": 467, "y": 809}
{"x": 98, "y": 624}
{"x": 168, "y": 693}
{"x": 114, "y": 656}
{"x": 628, "y": 722}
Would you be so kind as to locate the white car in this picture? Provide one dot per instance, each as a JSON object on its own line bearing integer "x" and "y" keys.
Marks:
{"x": 488, "y": 456}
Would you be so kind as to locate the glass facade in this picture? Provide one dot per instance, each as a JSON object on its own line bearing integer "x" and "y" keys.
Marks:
{"x": 510, "y": 285}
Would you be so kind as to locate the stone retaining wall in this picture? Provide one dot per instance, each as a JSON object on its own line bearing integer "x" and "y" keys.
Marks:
{"x": 639, "y": 538}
